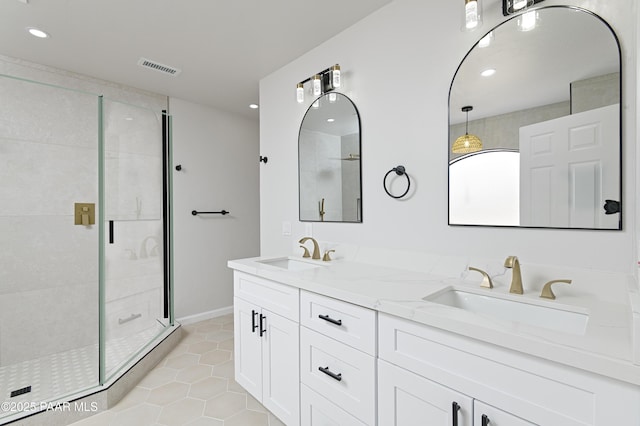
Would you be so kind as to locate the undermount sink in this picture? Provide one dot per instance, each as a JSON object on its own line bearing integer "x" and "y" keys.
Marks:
{"x": 290, "y": 264}
{"x": 547, "y": 317}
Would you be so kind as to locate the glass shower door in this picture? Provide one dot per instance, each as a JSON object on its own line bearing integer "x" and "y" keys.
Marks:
{"x": 134, "y": 247}
{"x": 48, "y": 264}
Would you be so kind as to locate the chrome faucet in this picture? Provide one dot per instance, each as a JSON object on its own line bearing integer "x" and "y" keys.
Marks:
{"x": 316, "y": 248}
{"x": 516, "y": 277}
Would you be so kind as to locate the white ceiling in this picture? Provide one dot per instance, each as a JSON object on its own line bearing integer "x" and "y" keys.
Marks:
{"x": 223, "y": 47}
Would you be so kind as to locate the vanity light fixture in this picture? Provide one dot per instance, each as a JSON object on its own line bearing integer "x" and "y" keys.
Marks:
{"x": 510, "y": 7}
{"x": 322, "y": 82}
{"x": 472, "y": 15}
{"x": 466, "y": 143}
{"x": 528, "y": 20}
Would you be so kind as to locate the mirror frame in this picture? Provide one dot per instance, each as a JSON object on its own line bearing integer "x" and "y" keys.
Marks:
{"x": 357, "y": 113}
{"x": 620, "y": 125}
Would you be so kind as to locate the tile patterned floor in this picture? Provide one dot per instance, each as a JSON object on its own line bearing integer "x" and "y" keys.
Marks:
{"x": 192, "y": 386}
{"x": 64, "y": 373}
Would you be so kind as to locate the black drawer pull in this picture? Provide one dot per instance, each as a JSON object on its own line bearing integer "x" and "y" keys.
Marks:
{"x": 455, "y": 407}
{"x": 330, "y": 373}
{"x": 262, "y": 330}
{"x": 329, "y": 319}
{"x": 254, "y": 326}
{"x": 485, "y": 420}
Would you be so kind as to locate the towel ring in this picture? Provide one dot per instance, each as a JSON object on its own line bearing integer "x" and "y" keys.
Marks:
{"x": 400, "y": 170}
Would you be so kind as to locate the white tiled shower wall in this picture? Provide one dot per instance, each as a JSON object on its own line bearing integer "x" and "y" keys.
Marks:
{"x": 48, "y": 161}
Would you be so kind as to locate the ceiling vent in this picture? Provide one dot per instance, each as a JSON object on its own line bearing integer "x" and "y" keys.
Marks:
{"x": 165, "y": 69}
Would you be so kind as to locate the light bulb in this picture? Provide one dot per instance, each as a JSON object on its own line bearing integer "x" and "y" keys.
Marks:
{"x": 317, "y": 85}
{"x": 335, "y": 76}
{"x": 300, "y": 93}
{"x": 519, "y": 4}
{"x": 471, "y": 15}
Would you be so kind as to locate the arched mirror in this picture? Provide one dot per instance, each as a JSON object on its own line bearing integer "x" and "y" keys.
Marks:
{"x": 329, "y": 172}
{"x": 544, "y": 88}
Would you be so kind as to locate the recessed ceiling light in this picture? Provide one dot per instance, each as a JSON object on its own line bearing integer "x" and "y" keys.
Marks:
{"x": 488, "y": 72}
{"x": 36, "y": 32}
{"x": 330, "y": 120}
{"x": 253, "y": 106}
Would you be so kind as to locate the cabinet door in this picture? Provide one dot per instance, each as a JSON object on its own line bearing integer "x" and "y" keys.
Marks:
{"x": 247, "y": 347}
{"x": 486, "y": 415}
{"x": 406, "y": 399}
{"x": 281, "y": 367}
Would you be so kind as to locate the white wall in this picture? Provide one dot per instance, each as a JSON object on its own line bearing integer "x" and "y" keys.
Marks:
{"x": 397, "y": 66}
{"x": 219, "y": 156}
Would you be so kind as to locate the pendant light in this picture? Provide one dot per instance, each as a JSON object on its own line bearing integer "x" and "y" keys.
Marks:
{"x": 466, "y": 143}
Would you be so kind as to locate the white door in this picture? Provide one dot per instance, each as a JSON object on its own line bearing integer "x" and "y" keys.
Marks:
{"x": 406, "y": 399}
{"x": 568, "y": 169}
{"x": 486, "y": 415}
{"x": 281, "y": 367}
{"x": 247, "y": 347}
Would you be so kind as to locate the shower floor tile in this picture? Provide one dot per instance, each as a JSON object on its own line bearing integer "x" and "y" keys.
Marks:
{"x": 58, "y": 375}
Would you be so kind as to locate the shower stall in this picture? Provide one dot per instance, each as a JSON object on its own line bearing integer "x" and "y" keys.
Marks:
{"x": 85, "y": 276}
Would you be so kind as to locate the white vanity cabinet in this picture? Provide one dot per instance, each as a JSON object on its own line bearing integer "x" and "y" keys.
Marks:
{"x": 337, "y": 360}
{"x": 267, "y": 344}
{"x": 314, "y": 360}
{"x": 509, "y": 388}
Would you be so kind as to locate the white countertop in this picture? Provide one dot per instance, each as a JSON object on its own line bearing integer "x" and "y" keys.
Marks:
{"x": 606, "y": 347}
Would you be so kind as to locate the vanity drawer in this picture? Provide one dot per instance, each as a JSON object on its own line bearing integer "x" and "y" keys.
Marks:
{"x": 345, "y": 322}
{"x": 315, "y": 410}
{"x": 349, "y": 377}
{"x": 275, "y": 297}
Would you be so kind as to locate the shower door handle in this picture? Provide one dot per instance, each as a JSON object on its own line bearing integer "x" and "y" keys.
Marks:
{"x": 110, "y": 232}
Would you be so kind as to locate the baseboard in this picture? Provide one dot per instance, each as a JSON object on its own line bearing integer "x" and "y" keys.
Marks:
{"x": 190, "y": 319}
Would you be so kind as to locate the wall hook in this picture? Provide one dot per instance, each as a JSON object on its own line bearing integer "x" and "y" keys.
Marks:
{"x": 179, "y": 167}
{"x": 264, "y": 159}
